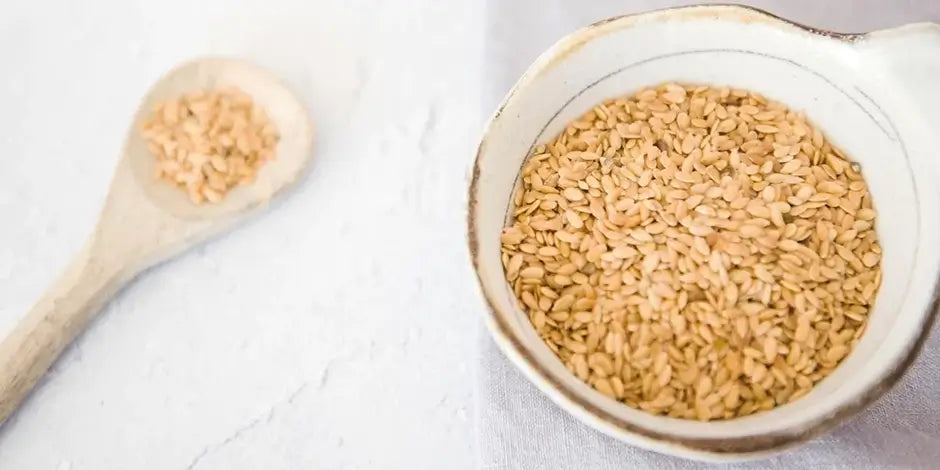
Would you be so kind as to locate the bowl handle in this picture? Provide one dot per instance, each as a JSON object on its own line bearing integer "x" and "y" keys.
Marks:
{"x": 909, "y": 56}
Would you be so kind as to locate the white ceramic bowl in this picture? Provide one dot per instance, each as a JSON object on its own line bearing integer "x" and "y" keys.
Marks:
{"x": 875, "y": 95}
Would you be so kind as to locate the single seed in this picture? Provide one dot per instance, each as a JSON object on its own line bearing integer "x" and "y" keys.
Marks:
{"x": 532, "y": 272}
{"x": 573, "y": 194}
{"x": 574, "y": 220}
{"x": 548, "y": 251}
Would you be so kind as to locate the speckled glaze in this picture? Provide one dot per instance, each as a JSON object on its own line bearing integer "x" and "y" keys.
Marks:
{"x": 873, "y": 94}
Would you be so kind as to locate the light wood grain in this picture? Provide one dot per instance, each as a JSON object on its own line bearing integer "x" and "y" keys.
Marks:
{"x": 145, "y": 221}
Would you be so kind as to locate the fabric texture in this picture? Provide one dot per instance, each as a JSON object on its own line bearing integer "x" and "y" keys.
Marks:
{"x": 522, "y": 429}
{"x": 519, "y": 428}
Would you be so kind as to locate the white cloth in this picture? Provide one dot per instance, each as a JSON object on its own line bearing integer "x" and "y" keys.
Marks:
{"x": 521, "y": 429}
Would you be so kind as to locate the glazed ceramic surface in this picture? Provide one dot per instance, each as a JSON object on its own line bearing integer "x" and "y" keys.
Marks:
{"x": 874, "y": 95}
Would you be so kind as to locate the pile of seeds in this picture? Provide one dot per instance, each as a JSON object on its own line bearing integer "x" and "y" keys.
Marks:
{"x": 207, "y": 142}
{"x": 695, "y": 252}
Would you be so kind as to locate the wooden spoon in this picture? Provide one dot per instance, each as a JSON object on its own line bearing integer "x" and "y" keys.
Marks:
{"x": 145, "y": 221}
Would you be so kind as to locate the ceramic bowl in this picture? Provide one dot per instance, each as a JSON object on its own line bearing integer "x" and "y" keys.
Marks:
{"x": 875, "y": 95}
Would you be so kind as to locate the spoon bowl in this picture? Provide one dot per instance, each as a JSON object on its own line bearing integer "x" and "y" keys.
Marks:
{"x": 267, "y": 91}
{"x": 145, "y": 221}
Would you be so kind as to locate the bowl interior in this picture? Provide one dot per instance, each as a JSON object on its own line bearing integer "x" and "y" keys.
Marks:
{"x": 815, "y": 74}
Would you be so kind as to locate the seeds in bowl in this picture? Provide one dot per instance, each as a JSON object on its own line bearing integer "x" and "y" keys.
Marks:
{"x": 208, "y": 142}
{"x": 694, "y": 251}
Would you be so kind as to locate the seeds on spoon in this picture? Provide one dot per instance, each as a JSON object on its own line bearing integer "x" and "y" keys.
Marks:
{"x": 208, "y": 142}
{"x": 695, "y": 252}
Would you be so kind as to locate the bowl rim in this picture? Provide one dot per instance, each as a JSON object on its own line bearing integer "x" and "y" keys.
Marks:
{"x": 753, "y": 446}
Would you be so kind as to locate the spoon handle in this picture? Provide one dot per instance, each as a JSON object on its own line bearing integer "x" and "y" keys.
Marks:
{"x": 131, "y": 234}
{"x": 63, "y": 312}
